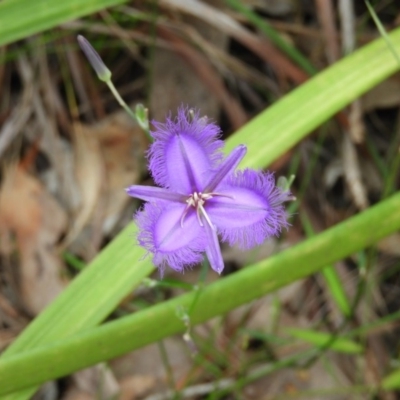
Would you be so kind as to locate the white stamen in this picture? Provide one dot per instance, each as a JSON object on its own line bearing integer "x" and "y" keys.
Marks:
{"x": 197, "y": 200}
{"x": 203, "y": 211}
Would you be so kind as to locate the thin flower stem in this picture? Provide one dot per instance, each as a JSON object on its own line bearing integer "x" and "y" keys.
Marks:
{"x": 125, "y": 106}
{"x": 104, "y": 74}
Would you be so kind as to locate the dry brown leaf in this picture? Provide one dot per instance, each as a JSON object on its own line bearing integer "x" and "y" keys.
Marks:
{"x": 376, "y": 361}
{"x": 134, "y": 387}
{"x": 60, "y": 176}
{"x": 356, "y": 122}
{"x": 11, "y": 321}
{"x": 210, "y": 79}
{"x": 73, "y": 393}
{"x": 225, "y": 23}
{"x": 7, "y": 307}
{"x": 48, "y": 391}
{"x": 225, "y": 63}
{"x": 174, "y": 83}
{"x": 21, "y": 112}
{"x": 290, "y": 382}
{"x": 390, "y": 245}
{"x": 118, "y": 147}
{"x": 326, "y": 16}
{"x": 274, "y": 7}
{"x": 96, "y": 382}
{"x": 123, "y": 145}
{"x": 89, "y": 168}
{"x": 147, "y": 362}
{"x": 187, "y": 76}
{"x": 384, "y": 95}
{"x": 198, "y": 391}
{"x": 37, "y": 221}
{"x": 6, "y": 337}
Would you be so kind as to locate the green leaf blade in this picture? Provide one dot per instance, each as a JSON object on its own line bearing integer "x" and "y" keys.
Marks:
{"x": 22, "y": 18}
{"x": 326, "y": 340}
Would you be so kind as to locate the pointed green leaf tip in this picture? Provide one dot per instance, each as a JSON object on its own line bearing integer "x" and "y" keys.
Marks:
{"x": 95, "y": 60}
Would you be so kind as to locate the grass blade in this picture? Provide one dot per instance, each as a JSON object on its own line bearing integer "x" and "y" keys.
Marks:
{"x": 22, "y": 18}
{"x": 326, "y": 340}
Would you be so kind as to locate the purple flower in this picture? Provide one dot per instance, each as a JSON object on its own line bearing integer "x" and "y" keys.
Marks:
{"x": 201, "y": 196}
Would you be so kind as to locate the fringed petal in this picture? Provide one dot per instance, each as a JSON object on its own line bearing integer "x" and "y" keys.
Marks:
{"x": 161, "y": 233}
{"x": 184, "y": 152}
{"x": 253, "y": 214}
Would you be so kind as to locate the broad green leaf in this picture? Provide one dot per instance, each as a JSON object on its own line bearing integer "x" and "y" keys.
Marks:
{"x": 141, "y": 328}
{"x": 22, "y": 18}
{"x": 326, "y": 340}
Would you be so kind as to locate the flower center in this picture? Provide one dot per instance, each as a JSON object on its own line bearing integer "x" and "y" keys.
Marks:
{"x": 198, "y": 200}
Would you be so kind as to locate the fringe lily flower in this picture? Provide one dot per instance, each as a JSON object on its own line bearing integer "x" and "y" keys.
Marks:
{"x": 201, "y": 196}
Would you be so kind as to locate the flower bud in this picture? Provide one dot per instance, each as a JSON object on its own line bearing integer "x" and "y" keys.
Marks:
{"x": 103, "y": 73}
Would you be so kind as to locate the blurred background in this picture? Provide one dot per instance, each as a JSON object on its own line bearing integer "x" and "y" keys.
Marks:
{"x": 67, "y": 151}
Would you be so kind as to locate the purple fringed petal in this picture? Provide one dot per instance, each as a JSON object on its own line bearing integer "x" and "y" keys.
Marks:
{"x": 184, "y": 151}
{"x": 161, "y": 233}
{"x": 254, "y": 214}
